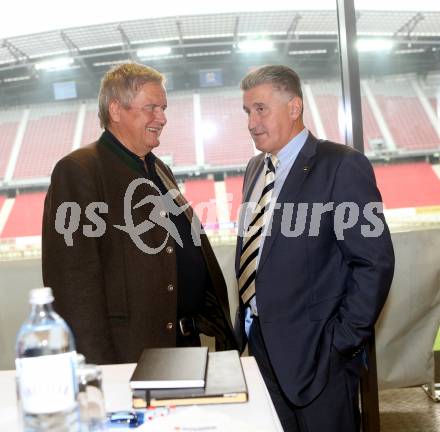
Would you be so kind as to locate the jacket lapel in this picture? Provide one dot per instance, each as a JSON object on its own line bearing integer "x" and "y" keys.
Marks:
{"x": 290, "y": 190}
{"x": 170, "y": 183}
{"x": 254, "y": 170}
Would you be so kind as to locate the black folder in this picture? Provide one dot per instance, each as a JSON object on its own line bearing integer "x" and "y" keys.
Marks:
{"x": 160, "y": 368}
{"x": 225, "y": 383}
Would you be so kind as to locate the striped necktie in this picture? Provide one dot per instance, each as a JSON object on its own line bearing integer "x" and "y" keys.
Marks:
{"x": 252, "y": 236}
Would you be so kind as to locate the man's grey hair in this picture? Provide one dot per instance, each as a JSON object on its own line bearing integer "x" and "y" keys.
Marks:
{"x": 121, "y": 83}
{"x": 281, "y": 77}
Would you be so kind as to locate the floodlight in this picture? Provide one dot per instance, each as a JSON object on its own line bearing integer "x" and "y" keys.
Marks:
{"x": 209, "y": 130}
{"x": 261, "y": 45}
{"x": 56, "y": 64}
{"x": 18, "y": 78}
{"x": 307, "y": 52}
{"x": 153, "y": 52}
{"x": 369, "y": 45}
{"x": 410, "y": 51}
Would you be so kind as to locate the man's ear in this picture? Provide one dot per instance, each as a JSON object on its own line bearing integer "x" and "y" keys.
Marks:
{"x": 114, "y": 110}
{"x": 296, "y": 107}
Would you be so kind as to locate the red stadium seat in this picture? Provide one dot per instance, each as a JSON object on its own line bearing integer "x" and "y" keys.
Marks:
{"x": 226, "y": 139}
{"x": 48, "y": 137}
{"x": 177, "y": 139}
{"x": 92, "y": 130}
{"x": 234, "y": 187}
{"x": 408, "y": 122}
{"x": 201, "y": 194}
{"x": 26, "y": 216}
{"x": 2, "y": 201}
{"x": 408, "y": 185}
{"x": 8, "y": 130}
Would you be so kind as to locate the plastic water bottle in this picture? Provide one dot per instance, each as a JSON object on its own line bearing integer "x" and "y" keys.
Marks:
{"x": 46, "y": 369}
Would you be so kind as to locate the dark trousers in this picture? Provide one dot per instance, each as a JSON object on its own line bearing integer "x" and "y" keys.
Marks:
{"x": 336, "y": 409}
{"x": 192, "y": 340}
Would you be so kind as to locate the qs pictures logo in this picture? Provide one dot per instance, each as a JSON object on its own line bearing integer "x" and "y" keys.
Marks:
{"x": 68, "y": 217}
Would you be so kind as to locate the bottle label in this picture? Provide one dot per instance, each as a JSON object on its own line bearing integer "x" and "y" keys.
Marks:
{"x": 47, "y": 384}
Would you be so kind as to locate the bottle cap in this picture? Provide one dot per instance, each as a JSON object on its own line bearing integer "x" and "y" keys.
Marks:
{"x": 41, "y": 296}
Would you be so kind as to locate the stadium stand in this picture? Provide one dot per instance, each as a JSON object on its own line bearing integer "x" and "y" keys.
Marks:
{"x": 177, "y": 139}
{"x": 405, "y": 115}
{"x": 408, "y": 123}
{"x": 51, "y": 128}
{"x": 234, "y": 187}
{"x": 3, "y": 215}
{"x": 408, "y": 185}
{"x": 435, "y": 103}
{"x": 201, "y": 194}
{"x": 309, "y": 123}
{"x": 370, "y": 128}
{"x": 92, "y": 130}
{"x": 328, "y": 100}
{"x": 430, "y": 86}
{"x": 399, "y": 184}
{"x": 226, "y": 139}
{"x": 226, "y": 142}
{"x": 9, "y": 121}
{"x": 48, "y": 137}
{"x": 26, "y": 216}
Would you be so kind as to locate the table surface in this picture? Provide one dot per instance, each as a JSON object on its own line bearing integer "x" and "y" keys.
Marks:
{"x": 258, "y": 412}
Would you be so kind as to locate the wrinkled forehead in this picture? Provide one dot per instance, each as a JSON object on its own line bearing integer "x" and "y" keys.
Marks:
{"x": 266, "y": 93}
{"x": 153, "y": 91}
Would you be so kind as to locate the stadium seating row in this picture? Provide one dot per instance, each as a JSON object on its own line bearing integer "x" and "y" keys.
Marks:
{"x": 209, "y": 128}
{"x": 401, "y": 185}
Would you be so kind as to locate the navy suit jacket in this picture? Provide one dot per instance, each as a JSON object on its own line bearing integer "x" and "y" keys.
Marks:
{"x": 317, "y": 291}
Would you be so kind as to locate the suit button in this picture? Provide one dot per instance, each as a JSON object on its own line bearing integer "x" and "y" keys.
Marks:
{"x": 170, "y": 288}
{"x": 169, "y": 249}
{"x": 170, "y": 326}
{"x": 163, "y": 213}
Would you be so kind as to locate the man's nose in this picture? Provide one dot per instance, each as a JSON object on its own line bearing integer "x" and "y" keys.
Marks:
{"x": 160, "y": 116}
{"x": 252, "y": 122}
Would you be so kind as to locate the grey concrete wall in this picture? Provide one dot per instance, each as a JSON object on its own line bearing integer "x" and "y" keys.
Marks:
{"x": 405, "y": 330}
{"x": 16, "y": 279}
{"x": 409, "y": 322}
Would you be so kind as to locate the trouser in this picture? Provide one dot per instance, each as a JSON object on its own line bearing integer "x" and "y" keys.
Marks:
{"x": 336, "y": 409}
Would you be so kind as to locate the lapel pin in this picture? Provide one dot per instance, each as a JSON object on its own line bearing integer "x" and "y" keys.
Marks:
{"x": 306, "y": 168}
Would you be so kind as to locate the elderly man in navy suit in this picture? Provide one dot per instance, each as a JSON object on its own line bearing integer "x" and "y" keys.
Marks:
{"x": 314, "y": 259}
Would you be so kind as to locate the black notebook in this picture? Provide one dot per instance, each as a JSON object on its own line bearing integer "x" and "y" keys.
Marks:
{"x": 167, "y": 368}
{"x": 225, "y": 383}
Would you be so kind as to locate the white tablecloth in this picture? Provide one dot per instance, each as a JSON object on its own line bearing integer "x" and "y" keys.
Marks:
{"x": 258, "y": 413}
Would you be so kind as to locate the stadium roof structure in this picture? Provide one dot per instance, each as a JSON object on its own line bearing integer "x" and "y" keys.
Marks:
{"x": 292, "y": 32}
